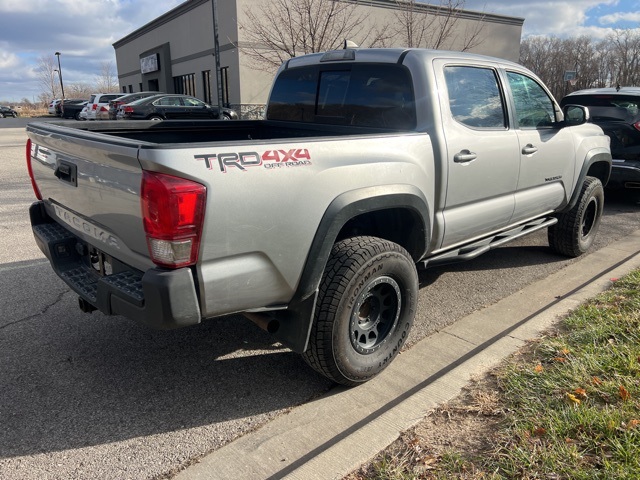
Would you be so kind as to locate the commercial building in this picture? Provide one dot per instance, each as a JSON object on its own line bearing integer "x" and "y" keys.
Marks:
{"x": 176, "y": 53}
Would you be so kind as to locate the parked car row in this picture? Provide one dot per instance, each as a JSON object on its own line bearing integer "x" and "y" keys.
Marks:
{"x": 139, "y": 106}
{"x": 172, "y": 107}
{"x": 7, "y": 112}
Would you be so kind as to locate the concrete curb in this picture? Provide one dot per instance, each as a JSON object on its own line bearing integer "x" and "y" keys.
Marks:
{"x": 334, "y": 435}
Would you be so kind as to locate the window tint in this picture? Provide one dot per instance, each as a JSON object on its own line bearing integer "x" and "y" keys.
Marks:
{"x": 534, "y": 108}
{"x": 364, "y": 95}
{"x": 607, "y": 107}
{"x": 193, "y": 102}
{"x": 474, "y": 97}
{"x": 168, "y": 101}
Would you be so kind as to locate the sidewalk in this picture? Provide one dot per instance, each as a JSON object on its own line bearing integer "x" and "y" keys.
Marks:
{"x": 335, "y": 434}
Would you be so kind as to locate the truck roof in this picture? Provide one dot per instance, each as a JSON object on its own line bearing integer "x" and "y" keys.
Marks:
{"x": 387, "y": 55}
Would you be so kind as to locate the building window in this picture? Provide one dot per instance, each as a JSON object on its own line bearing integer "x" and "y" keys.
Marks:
{"x": 224, "y": 78}
{"x": 124, "y": 89}
{"x": 130, "y": 88}
{"x": 206, "y": 84}
{"x": 185, "y": 84}
{"x": 140, "y": 85}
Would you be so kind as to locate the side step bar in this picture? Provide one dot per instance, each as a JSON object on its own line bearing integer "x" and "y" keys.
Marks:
{"x": 475, "y": 249}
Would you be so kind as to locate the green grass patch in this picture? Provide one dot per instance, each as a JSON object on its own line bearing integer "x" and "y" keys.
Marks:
{"x": 571, "y": 404}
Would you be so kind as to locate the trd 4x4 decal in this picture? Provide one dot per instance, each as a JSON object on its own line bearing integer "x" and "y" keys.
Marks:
{"x": 270, "y": 159}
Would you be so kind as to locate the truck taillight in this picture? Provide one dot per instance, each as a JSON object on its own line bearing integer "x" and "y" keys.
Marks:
{"x": 173, "y": 214}
{"x": 94, "y": 106}
{"x": 637, "y": 125}
{"x": 36, "y": 190}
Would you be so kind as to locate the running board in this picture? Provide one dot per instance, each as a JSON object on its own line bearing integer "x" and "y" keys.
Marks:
{"x": 475, "y": 249}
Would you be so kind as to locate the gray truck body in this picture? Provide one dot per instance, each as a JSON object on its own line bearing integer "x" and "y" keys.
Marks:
{"x": 281, "y": 192}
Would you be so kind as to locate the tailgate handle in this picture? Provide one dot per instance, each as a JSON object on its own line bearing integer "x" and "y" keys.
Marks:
{"x": 67, "y": 172}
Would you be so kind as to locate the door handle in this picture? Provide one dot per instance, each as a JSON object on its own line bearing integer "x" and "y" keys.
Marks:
{"x": 67, "y": 172}
{"x": 464, "y": 156}
{"x": 529, "y": 149}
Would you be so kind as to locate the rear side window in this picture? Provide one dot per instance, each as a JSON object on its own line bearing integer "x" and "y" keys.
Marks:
{"x": 365, "y": 95}
{"x": 474, "y": 97}
{"x": 534, "y": 108}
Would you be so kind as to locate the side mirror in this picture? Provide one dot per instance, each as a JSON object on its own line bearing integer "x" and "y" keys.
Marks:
{"x": 575, "y": 115}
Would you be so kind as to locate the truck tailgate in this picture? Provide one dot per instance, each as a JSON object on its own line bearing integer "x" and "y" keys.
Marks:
{"x": 92, "y": 190}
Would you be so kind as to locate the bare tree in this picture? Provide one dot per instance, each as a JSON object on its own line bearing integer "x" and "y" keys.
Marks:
{"x": 610, "y": 62}
{"x": 106, "y": 80}
{"x": 282, "y": 29}
{"x": 625, "y": 47}
{"x": 435, "y": 26}
{"x": 48, "y": 79}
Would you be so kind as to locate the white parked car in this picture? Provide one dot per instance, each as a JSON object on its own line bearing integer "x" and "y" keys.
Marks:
{"x": 83, "y": 113}
{"x": 98, "y": 106}
{"x": 52, "y": 106}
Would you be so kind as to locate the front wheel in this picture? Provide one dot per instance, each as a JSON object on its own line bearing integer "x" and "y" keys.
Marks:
{"x": 576, "y": 229}
{"x": 156, "y": 118}
{"x": 366, "y": 305}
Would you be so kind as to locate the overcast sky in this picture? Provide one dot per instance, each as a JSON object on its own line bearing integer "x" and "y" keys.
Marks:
{"x": 84, "y": 31}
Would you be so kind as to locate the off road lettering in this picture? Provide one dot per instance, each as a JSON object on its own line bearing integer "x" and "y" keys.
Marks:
{"x": 295, "y": 157}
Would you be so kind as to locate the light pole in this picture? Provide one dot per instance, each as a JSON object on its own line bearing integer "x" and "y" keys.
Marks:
{"x": 57, "y": 54}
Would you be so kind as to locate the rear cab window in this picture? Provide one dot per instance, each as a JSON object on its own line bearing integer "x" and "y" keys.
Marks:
{"x": 475, "y": 98}
{"x": 372, "y": 95}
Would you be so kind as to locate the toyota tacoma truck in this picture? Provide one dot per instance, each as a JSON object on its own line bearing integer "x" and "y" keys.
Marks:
{"x": 312, "y": 222}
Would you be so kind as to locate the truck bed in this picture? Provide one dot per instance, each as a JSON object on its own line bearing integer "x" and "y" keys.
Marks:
{"x": 205, "y": 131}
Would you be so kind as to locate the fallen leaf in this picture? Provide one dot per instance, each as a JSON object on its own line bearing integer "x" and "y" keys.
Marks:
{"x": 581, "y": 391}
{"x": 539, "y": 431}
{"x": 596, "y": 380}
{"x": 633, "y": 423}
{"x": 573, "y": 399}
{"x": 624, "y": 393}
{"x": 538, "y": 368}
{"x": 565, "y": 351}
{"x": 560, "y": 359}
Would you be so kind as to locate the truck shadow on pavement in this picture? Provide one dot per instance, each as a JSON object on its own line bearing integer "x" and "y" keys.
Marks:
{"x": 71, "y": 380}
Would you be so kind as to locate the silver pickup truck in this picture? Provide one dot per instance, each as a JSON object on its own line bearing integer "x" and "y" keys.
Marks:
{"x": 370, "y": 162}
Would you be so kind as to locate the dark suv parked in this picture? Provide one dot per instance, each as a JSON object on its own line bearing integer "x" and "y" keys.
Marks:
{"x": 617, "y": 112}
{"x": 7, "y": 112}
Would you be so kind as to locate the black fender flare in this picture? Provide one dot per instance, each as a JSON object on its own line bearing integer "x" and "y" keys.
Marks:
{"x": 295, "y": 322}
{"x": 597, "y": 155}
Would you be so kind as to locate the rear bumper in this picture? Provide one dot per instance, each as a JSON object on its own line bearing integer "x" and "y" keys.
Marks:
{"x": 162, "y": 299}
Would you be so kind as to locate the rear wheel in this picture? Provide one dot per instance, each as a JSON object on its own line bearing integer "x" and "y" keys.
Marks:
{"x": 576, "y": 229}
{"x": 156, "y": 118}
{"x": 365, "y": 309}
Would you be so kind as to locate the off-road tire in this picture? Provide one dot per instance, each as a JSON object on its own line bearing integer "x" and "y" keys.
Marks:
{"x": 365, "y": 309}
{"x": 576, "y": 229}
